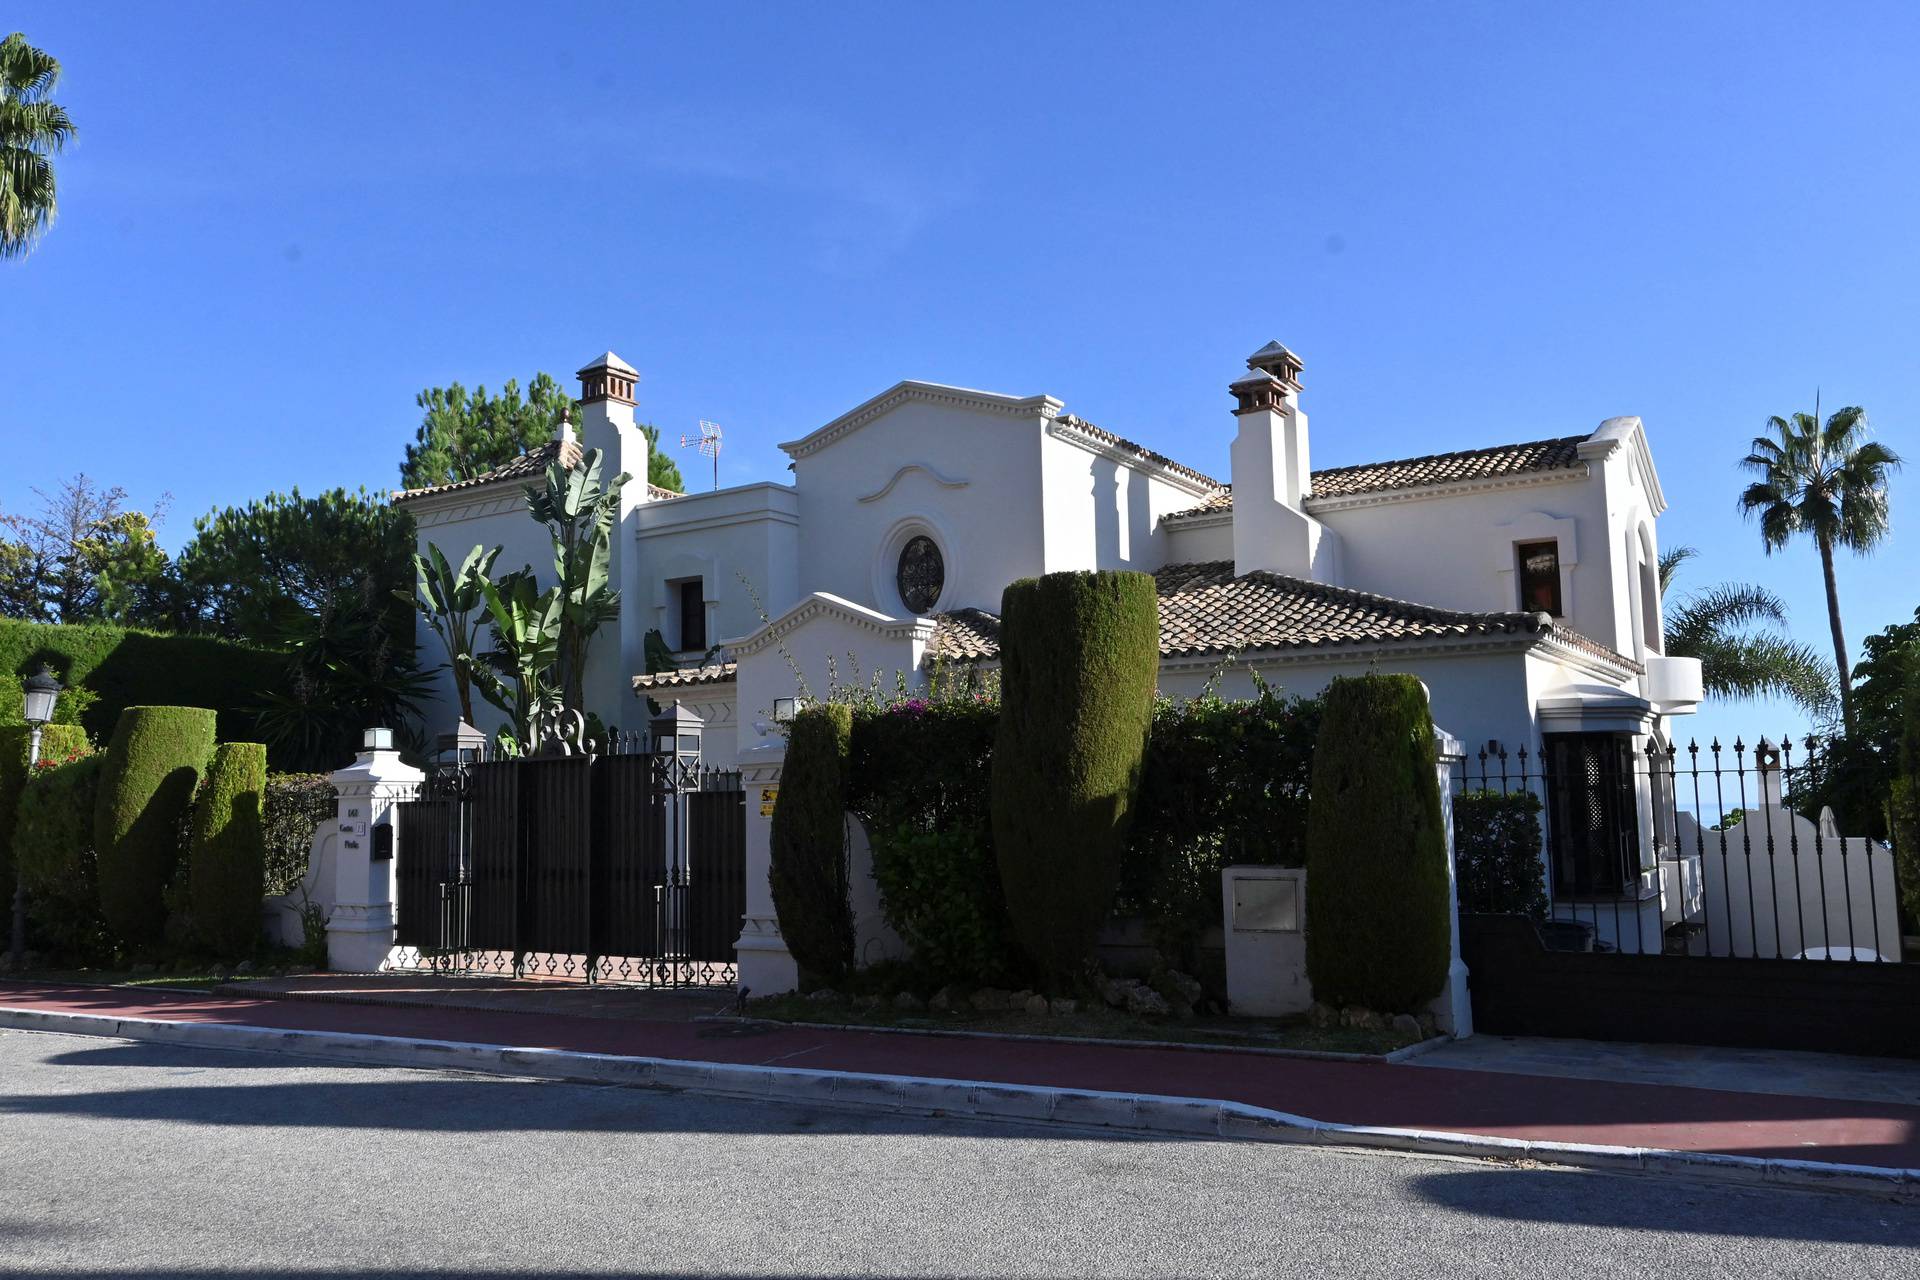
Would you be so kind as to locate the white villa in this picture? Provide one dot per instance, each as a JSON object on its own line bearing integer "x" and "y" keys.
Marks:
{"x": 1518, "y": 581}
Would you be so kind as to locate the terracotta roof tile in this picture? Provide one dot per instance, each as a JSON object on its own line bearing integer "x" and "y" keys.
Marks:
{"x": 1137, "y": 450}
{"x": 714, "y": 673}
{"x": 1415, "y": 473}
{"x": 1205, "y": 609}
{"x": 525, "y": 467}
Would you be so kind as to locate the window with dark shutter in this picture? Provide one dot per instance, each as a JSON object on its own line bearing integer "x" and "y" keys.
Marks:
{"x": 693, "y": 615}
{"x": 1540, "y": 577}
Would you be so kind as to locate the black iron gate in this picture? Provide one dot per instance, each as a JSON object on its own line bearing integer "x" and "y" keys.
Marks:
{"x": 614, "y": 867}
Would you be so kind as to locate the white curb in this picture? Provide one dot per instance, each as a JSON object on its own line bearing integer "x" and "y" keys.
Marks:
{"x": 971, "y": 1099}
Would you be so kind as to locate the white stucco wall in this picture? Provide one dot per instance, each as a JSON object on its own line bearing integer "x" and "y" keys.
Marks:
{"x": 743, "y": 543}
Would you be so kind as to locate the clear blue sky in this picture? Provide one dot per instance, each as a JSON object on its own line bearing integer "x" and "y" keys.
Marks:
{"x": 1475, "y": 223}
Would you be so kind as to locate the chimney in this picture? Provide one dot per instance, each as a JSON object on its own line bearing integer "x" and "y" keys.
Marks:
{"x": 606, "y": 423}
{"x": 1272, "y": 473}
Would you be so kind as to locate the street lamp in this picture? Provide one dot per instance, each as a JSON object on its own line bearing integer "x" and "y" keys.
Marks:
{"x": 460, "y": 745}
{"x": 43, "y": 692}
{"x": 676, "y": 748}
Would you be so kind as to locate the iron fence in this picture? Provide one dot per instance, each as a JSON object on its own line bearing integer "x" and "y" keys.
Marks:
{"x": 1654, "y": 848}
{"x": 613, "y": 866}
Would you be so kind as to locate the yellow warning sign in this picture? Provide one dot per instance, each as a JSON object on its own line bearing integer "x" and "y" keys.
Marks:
{"x": 768, "y": 797}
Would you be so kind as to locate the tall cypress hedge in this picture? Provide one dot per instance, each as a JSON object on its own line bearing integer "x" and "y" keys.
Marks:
{"x": 146, "y": 792}
{"x": 808, "y": 871}
{"x": 57, "y": 742}
{"x": 227, "y": 853}
{"x": 1080, "y": 654}
{"x": 1378, "y": 933}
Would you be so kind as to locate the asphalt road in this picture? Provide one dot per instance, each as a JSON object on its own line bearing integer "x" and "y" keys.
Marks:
{"x": 121, "y": 1159}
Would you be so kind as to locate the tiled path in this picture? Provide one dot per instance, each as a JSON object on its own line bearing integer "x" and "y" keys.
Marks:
{"x": 1552, "y": 1108}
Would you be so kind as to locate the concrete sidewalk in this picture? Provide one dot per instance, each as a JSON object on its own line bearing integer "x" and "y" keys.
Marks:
{"x": 1510, "y": 1115}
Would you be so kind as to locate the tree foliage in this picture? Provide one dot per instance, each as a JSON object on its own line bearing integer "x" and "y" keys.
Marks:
{"x": 1727, "y": 627}
{"x": 1079, "y": 660}
{"x": 84, "y": 557}
{"x": 807, "y": 869}
{"x": 1827, "y": 481}
{"x": 1854, "y": 774}
{"x": 58, "y": 743}
{"x": 33, "y": 129}
{"x": 1497, "y": 853}
{"x": 153, "y": 769}
{"x": 465, "y": 434}
{"x": 1378, "y": 928}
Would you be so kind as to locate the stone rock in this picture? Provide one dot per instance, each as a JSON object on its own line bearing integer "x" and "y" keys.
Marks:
{"x": 1182, "y": 987}
{"x": 1114, "y": 992}
{"x": 1360, "y": 1019}
{"x": 1061, "y": 1006}
{"x": 990, "y": 1000}
{"x": 867, "y": 1002}
{"x": 1405, "y": 1024}
{"x": 1018, "y": 1000}
{"x": 907, "y": 1002}
{"x": 1323, "y": 1016}
{"x": 825, "y": 995}
{"x": 942, "y": 1001}
{"x": 1036, "y": 1005}
{"x": 245, "y": 966}
{"x": 1429, "y": 1026}
{"x": 1144, "y": 1001}
{"x": 222, "y": 972}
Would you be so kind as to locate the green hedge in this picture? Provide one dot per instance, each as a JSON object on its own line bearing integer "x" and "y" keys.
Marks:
{"x": 123, "y": 668}
{"x": 1496, "y": 853}
{"x": 921, "y": 783}
{"x": 226, "y": 856}
{"x": 153, "y": 768}
{"x": 58, "y": 743}
{"x": 1225, "y": 783}
{"x": 1905, "y": 804}
{"x": 296, "y": 806}
{"x": 808, "y": 857}
{"x": 1378, "y": 933}
{"x": 53, "y": 848}
{"x": 1079, "y": 659}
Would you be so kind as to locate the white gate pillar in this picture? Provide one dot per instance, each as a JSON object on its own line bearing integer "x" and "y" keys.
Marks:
{"x": 767, "y": 968}
{"x": 1452, "y": 1009}
{"x": 360, "y": 926}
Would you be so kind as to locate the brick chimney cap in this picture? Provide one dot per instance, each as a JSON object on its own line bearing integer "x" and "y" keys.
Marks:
{"x": 1252, "y": 378}
{"x": 608, "y": 360}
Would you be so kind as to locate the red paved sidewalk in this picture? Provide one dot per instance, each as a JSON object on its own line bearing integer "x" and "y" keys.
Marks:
{"x": 1459, "y": 1101}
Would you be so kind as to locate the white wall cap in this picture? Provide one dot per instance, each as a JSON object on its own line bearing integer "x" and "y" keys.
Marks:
{"x": 377, "y": 767}
{"x": 823, "y": 604}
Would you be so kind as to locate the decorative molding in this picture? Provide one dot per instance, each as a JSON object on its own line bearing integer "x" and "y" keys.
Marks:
{"x": 475, "y": 503}
{"x": 926, "y": 392}
{"x": 945, "y": 482}
{"x": 823, "y": 604}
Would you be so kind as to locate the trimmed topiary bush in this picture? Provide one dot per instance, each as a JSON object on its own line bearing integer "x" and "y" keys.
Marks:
{"x": 1079, "y": 659}
{"x": 53, "y": 849}
{"x": 227, "y": 851}
{"x": 153, "y": 768}
{"x": 1378, "y": 933}
{"x": 1496, "y": 853}
{"x": 922, "y": 785}
{"x": 808, "y": 858}
{"x": 59, "y": 743}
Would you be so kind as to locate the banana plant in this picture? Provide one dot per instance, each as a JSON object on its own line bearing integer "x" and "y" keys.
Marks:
{"x": 453, "y": 602}
{"x": 580, "y": 514}
{"x": 515, "y": 675}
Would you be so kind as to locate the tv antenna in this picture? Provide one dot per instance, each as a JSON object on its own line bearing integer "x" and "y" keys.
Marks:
{"x": 708, "y": 443}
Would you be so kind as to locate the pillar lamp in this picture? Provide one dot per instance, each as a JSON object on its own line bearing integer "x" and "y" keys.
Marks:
{"x": 42, "y": 694}
{"x": 676, "y": 748}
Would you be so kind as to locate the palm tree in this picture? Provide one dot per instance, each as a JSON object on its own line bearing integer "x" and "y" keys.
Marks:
{"x": 1829, "y": 481}
{"x": 32, "y": 131}
{"x": 1738, "y": 663}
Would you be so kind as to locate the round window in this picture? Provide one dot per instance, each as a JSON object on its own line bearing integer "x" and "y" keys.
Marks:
{"x": 921, "y": 575}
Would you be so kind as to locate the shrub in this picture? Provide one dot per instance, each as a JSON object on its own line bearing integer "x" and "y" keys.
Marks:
{"x": 1906, "y": 801}
{"x": 1377, "y": 911}
{"x": 59, "y": 743}
{"x": 1496, "y": 853}
{"x": 146, "y": 791}
{"x": 122, "y": 668}
{"x": 227, "y": 853}
{"x": 921, "y": 782}
{"x": 1224, "y": 783}
{"x": 808, "y": 857}
{"x": 53, "y": 848}
{"x": 1079, "y": 657}
{"x": 296, "y": 806}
